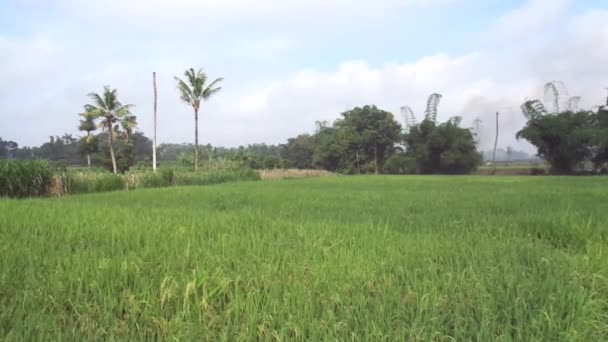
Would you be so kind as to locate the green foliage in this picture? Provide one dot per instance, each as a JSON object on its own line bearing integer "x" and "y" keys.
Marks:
{"x": 25, "y": 178}
{"x": 215, "y": 177}
{"x": 564, "y": 140}
{"x": 77, "y": 182}
{"x": 445, "y": 148}
{"x": 327, "y": 259}
{"x": 124, "y": 152}
{"x": 7, "y": 148}
{"x": 185, "y": 159}
{"x": 600, "y": 139}
{"x": 299, "y": 151}
{"x": 399, "y": 164}
{"x": 358, "y": 142}
{"x": 195, "y": 89}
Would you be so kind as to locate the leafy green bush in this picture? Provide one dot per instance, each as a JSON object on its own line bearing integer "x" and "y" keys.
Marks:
{"x": 25, "y": 178}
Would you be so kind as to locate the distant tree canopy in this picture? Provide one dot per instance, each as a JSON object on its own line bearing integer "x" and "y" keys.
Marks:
{"x": 564, "y": 140}
{"x": 363, "y": 140}
{"x": 298, "y": 152}
{"x": 445, "y": 148}
{"x": 565, "y": 137}
{"x": 359, "y": 142}
{"x": 7, "y": 148}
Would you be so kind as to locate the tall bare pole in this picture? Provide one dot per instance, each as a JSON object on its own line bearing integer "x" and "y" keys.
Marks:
{"x": 154, "y": 138}
{"x": 495, "y": 144}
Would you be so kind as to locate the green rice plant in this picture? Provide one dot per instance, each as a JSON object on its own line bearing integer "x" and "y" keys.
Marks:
{"x": 369, "y": 258}
{"x": 75, "y": 182}
{"x": 25, "y": 178}
{"x": 215, "y": 177}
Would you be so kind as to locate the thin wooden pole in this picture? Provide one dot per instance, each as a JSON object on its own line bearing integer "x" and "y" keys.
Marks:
{"x": 154, "y": 138}
{"x": 495, "y": 144}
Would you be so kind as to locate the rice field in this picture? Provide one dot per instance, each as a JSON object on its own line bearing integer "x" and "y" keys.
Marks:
{"x": 331, "y": 258}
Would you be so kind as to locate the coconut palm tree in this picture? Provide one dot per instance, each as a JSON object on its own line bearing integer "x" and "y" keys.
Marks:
{"x": 193, "y": 91}
{"x": 107, "y": 107}
{"x": 87, "y": 124}
{"x": 128, "y": 124}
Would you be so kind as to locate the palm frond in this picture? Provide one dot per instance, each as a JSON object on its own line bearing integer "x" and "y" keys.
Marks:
{"x": 123, "y": 110}
{"x": 211, "y": 89}
{"x": 210, "y": 92}
{"x": 185, "y": 91}
{"x": 533, "y": 109}
{"x": 99, "y": 102}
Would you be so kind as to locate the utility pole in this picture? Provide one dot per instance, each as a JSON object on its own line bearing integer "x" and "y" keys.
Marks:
{"x": 495, "y": 145}
{"x": 154, "y": 138}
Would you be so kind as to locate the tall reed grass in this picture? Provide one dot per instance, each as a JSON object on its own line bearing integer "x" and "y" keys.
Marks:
{"x": 25, "y": 178}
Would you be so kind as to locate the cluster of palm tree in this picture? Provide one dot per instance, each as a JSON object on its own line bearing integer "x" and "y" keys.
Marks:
{"x": 107, "y": 113}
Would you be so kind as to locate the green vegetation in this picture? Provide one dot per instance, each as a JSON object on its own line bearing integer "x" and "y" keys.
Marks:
{"x": 334, "y": 258}
{"x": 567, "y": 138}
{"x": 34, "y": 178}
{"x": 25, "y": 178}
{"x": 442, "y": 148}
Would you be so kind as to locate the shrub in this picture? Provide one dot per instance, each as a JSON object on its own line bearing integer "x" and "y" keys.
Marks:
{"x": 25, "y": 178}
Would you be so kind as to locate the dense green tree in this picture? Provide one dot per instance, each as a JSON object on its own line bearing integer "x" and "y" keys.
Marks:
{"x": 564, "y": 140}
{"x": 330, "y": 152}
{"x": 193, "y": 91}
{"x": 298, "y": 152}
{"x": 600, "y": 138}
{"x": 358, "y": 142}
{"x": 368, "y": 134}
{"x": 445, "y": 148}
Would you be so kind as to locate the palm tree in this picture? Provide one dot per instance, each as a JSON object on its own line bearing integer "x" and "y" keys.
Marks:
{"x": 128, "y": 124}
{"x": 193, "y": 93}
{"x": 110, "y": 110}
{"x": 87, "y": 124}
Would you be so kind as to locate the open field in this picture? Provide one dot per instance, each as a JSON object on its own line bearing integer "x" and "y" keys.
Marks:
{"x": 349, "y": 258}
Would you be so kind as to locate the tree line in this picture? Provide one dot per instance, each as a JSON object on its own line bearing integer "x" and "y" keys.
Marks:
{"x": 362, "y": 140}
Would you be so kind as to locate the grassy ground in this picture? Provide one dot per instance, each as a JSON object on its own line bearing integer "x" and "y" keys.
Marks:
{"x": 349, "y": 258}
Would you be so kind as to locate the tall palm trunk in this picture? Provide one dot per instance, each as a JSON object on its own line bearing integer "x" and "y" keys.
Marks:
{"x": 154, "y": 138}
{"x": 88, "y": 154}
{"x": 493, "y": 172}
{"x": 195, "y": 139}
{"x": 111, "y": 134}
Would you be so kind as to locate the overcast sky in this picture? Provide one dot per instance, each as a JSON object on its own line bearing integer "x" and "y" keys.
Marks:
{"x": 287, "y": 64}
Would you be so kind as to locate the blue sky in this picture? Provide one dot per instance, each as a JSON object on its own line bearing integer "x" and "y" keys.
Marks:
{"x": 288, "y": 64}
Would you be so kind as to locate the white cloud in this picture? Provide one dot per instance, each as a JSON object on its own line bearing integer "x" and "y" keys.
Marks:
{"x": 253, "y": 108}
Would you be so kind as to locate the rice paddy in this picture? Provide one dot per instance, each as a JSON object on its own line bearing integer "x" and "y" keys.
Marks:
{"x": 331, "y": 258}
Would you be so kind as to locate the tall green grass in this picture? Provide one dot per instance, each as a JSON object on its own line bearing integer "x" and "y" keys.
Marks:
{"x": 40, "y": 178}
{"x": 79, "y": 183}
{"x": 25, "y": 178}
{"x": 325, "y": 259}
